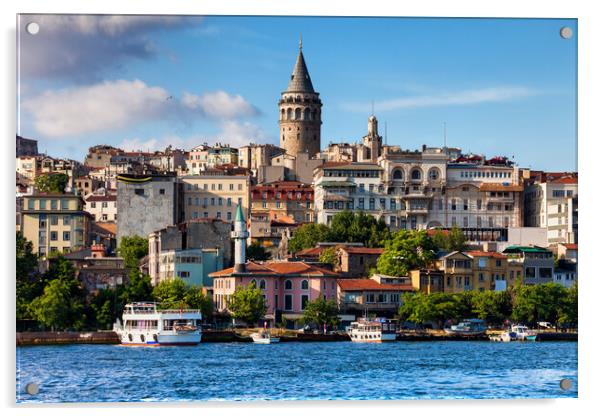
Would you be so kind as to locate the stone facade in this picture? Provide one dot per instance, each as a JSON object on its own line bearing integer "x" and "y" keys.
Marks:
{"x": 146, "y": 203}
{"x": 300, "y": 113}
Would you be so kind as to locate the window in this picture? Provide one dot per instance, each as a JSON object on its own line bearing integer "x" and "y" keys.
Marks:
{"x": 66, "y": 220}
{"x": 466, "y": 205}
{"x": 231, "y": 187}
{"x": 465, "y": 222}
{"x": 53, "y": 204}
{"x": 229, "y": 216}
{"x": 161, "y": 191}
{"x": 361, "y": 203}
{"x": 288, "y": 285}
{"x": 139, "y": 191}
{"x": 288, "y": 302}
{"x": 453, "y": 204}
{"x": 229, "y": 202}
{"x": 479, "y": 203}
{"x": 498, "y": 263}
{"x": 54, "y": 220}
{"x": 54, "y": 236}
{"x": 42, "y": 204}
{"x": 481, "y": 277}
{"x": 275, "y": 301}
{"x": 397, "y": 174}
{"x": 304, "y": 300}
{"x": 416, "y": 175}
{"x": 64, "y": 204}
{"x": 304, "y": 285}
{"x": 545, "y": 272}
{"x": 262, "y": 284}
{"x": 529, "y": 272}
{"x": 433, "y": 174}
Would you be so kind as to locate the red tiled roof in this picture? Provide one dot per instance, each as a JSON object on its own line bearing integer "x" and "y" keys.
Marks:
{"x": 369, "y": 284}
{"x": 363, "y": 250}
{"x": 107, "y": 226}
{"x": 493, "y": 254}
{"x": 566, "y": 179}
{"x": 570, "y": 246}
{"x": 98, "y": 198}
{"x": 314, "y": 251}
{"x": 279, "y": 269}
{"x": 432, "y": 232}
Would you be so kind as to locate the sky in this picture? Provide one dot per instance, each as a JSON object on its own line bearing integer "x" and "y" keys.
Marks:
{"x": 500, "y": 86}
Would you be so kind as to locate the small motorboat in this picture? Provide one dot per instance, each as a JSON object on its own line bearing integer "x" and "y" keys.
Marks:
{"x": 523, "y": 333}
{"x": 264, "y": 337}
{"x": 506, "y": 336}
{"x": 468, "y": 327}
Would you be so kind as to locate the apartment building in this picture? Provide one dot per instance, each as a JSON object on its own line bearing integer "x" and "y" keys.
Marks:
{"x": 216, "y": 193}
{"x": 280, "y": 199}
{"x": 55, "y": 223}
{"x": 204, "y": 157}
{"x": 551, "y": 201}
{"x": 535, "y": 264}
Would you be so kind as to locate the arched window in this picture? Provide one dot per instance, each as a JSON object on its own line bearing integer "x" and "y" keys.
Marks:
{"x": 288, "y": 285}
{"x": 262, "y": 284}
{"x": 297, "y": 114}
{"x": 433, "y": 174}
{"x": 314, "y": 115}
{"x": 289, "y": 114}
{"x": 416, "y": 174}
{"x": 306, "y": 114}
{"x": 253, "y": 283}
{"x": 304, "y": 285}
{"x": 283, "y": 114}
{"x": 397, "y": 174}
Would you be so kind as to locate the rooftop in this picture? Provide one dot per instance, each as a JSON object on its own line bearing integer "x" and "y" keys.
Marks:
{"x": 278, "y": 269}
{"x": 371, "y": 285}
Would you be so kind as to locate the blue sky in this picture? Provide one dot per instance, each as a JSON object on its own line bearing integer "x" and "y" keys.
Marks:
{"x": 502, "y": 86}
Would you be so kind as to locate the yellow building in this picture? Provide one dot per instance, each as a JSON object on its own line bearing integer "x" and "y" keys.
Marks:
{"x": 55, "y": 222}
{"x": 457, "y": 268}
{"x": 491, "y": 271}
{"x": 216, "y": 193}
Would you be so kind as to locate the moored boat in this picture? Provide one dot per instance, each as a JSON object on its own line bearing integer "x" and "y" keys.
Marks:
{"x": 468, "y": 327}
{"x": 523, "y": 333}
{"x": 373, "y": 330}
{"x": 264, "y": 337}
{"x": 145, "y": 325}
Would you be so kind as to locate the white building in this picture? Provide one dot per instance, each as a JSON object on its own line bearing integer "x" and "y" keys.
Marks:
{"x": 551, "y": 201}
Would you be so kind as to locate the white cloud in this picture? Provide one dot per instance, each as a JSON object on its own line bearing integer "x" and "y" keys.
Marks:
{"x": 466, "y": 97}
{"x": 106, "y": 106}
{"x": 114, "y": 105}
{"x": 219, "y": 104}
{"x": 234, "y": 133}
{"x": 80, "y": 47}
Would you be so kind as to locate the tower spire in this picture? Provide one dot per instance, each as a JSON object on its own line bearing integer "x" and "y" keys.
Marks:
{"x": 300, "y": 41}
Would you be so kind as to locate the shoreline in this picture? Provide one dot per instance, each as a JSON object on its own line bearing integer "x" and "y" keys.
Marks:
{"x": 110, "y": 337}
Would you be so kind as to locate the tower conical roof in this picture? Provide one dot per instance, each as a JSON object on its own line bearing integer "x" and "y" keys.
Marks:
{"x": 300, "y": 80}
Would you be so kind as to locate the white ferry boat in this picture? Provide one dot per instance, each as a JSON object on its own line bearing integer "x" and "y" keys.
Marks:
{"x": 373, "y": 330}
{"x": 144, "y": 324}
{"x": 468, "y": 327}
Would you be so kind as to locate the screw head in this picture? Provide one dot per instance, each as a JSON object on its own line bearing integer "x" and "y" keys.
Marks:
{"x": 566, "y": 384}
{"x": 32, "y": 28}
{"x": 566, "y": 32}
{"x": 32, "y": 388}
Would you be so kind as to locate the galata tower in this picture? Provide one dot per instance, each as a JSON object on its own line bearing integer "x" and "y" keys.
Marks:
{"x": 300, "y": 112}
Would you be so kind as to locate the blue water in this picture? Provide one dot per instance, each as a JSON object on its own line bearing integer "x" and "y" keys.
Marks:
{"x": 297, "y": 371}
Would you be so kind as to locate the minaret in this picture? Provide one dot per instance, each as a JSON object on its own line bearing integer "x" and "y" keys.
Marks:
{"x": 300, "y": 112}
{"x": 240, "y": 235}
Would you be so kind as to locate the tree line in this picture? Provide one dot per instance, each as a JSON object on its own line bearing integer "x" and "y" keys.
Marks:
{"x": 55, "y": 300}
{"x": 528, "y": 305}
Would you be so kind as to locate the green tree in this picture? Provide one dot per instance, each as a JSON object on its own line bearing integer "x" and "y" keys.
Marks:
{"x": 195, "y": 299}
{"x": 329, "y": 256}
{"x": 56, "y": 308}
{"x": 569, "y": 309}
{"x": 493, "y": 307}
{"x": 247, "y": 304}
{"x": 132, "y": 249}
{"x": 321, "y": 311}
{"x": 171, "y": 293}
{"x": 307, "y": 236}
{"x": 257, "y": 252}
{"x": 106, "y": 307}
{"x": 544, "y": 302}
{"x": 51, "y": 182}
{"x": 138, "y": 289}
{"x": 452, "y": 240}
{"x": 405, "y": 251}
{"x": 28, "y": 285}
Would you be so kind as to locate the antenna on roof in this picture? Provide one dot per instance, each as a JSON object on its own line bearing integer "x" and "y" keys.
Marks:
{"x": 444, "y": 134}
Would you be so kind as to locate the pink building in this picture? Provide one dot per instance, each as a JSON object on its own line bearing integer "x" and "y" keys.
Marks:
{"x": 287, "y": 286}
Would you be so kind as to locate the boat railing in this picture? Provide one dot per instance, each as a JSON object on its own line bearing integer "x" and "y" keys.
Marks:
{"x": 178, "y": 311}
